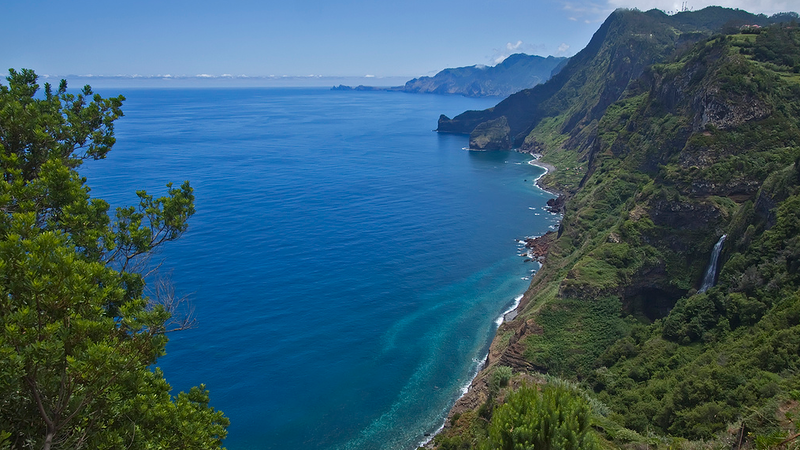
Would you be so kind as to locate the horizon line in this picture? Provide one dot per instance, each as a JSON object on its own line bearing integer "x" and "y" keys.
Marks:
{"x": 223, "y": 76}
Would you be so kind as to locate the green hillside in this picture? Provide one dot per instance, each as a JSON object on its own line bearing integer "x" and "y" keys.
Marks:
{"x": 660, "y": 159}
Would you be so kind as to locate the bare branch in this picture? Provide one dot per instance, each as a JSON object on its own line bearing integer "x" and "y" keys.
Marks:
{"x": 162, "y": 293}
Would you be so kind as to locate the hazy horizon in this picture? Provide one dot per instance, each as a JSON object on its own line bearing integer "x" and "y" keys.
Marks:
{"x": 199, "y": 81}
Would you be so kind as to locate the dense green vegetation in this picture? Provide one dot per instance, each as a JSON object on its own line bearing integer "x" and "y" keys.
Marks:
{"x": 702, "y": 143}
{"x": 555, "y": 418}
{"x": 552, "y": 416}
{"x": 78, "y": 335}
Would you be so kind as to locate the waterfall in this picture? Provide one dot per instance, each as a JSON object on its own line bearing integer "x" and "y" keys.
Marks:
{"x": 711, "y": 272}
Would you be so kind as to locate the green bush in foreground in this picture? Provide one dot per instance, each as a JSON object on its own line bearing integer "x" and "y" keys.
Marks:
{"x": 555, "y": 418}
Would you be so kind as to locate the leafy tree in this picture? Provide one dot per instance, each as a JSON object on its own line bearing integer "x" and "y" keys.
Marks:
{"x": 77, "y": 334}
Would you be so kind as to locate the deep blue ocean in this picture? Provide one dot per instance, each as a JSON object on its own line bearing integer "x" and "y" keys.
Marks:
{"x": 347, "y": 265}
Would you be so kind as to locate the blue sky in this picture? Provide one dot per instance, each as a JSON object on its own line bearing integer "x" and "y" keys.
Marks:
{"x": 353, "y": 38}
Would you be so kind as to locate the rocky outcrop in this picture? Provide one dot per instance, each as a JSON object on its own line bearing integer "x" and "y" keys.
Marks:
{"x": 491, "y": 135}
{"x": 538, "y": 246}
{"x": 556, "y": 205}
{"x": 683, "y": 215}
{"x": 729, "y": 110}
{"x": 457, "y": 124}
{"x": 514, "y": 354}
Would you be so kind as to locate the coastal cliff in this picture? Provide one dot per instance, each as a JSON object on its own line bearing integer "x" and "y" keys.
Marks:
{"x": 668, "y": 132}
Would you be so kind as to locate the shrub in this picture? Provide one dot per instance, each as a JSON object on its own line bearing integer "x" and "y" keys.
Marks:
{"x": 556, "y": 418}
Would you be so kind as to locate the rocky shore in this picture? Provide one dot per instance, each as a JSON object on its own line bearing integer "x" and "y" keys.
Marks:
{"x": 538, "y": 246}
{"x": 507, "y": 353}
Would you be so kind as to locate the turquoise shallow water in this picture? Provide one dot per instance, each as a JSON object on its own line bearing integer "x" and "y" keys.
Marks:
{"x": 346, "y": 264}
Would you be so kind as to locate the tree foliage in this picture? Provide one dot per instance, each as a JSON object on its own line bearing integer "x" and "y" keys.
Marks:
{"x": 77, "y": 334}
{"x": 554, "y": 419}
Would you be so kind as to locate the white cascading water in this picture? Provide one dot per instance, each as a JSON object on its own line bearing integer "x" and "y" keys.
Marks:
{"x": 711, "y": 272}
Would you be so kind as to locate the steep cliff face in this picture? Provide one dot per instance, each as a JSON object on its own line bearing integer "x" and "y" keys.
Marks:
{"x": 671, "y": 160}
{"x": 703, "y": 145}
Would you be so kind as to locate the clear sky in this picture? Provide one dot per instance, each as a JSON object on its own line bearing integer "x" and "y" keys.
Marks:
{"x": 356, "y": 38}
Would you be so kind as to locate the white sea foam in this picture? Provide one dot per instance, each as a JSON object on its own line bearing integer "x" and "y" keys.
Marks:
{"x": 534, "y": 162}
{"x": 477, "y": 366}
{"x": 430, "y": 438}
{"x": 502, "y": 317}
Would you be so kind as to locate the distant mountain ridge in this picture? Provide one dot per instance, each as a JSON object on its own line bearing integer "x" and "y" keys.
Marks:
{"x": 517, "y": 72}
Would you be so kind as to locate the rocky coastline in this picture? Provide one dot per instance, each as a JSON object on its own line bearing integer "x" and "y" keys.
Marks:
{"x": 478, "y": 390}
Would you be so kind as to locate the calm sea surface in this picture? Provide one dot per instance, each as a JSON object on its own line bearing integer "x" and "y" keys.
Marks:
{"x": 346, "y": 264}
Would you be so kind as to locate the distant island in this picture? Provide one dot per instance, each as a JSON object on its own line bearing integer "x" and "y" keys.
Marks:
{"x": 517, "y": 72}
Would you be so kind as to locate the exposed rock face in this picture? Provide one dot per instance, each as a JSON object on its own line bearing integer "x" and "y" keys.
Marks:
{"x": 726, "y": 113}
{"x": 513, "y": 356}
{"x": 539, "y": 246}
{"x": 765, "y": 207}
{"x": 683, "y": 215}
{"x": 491, "y": 135}
{"x": 556, "y": 205}
{"x": 649, "y": 295}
